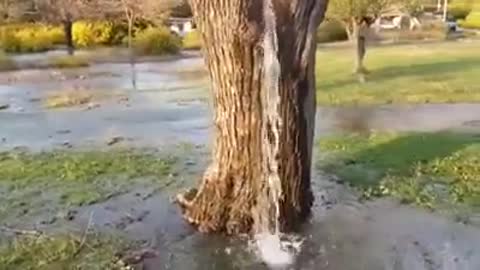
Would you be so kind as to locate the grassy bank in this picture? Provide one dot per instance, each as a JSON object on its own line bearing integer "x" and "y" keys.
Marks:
{"x": 425, "y": 73}
{"x": 44, "y": 187}
{"x": 42, "y": 252}
{"x": 30, "y": 182}
{"x": 428, "y": 169}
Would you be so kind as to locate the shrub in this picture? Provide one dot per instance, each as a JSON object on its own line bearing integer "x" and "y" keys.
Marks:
{"x": 156, "y": 41}
{"x": 192, "y": 41}
{"x": 93, "y": 33}
{"x": 473, "y": 19}
{"x": 30, "y": 37}
{"x": 459, "y": 9}
{"x": 428, "y": 31}
{"x": 330, "y": 31}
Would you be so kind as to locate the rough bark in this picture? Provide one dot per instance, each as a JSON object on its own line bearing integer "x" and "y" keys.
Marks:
{"x": 68, "y": 31}
{"x": 260, "y": 170}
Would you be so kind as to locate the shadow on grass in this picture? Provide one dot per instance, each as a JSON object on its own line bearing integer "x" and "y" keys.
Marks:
{"x": 373, "y": 158}
{"x": 426, "y": 70}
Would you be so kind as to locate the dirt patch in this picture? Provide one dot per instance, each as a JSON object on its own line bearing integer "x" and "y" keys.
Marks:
{"x": 78, "y": 97}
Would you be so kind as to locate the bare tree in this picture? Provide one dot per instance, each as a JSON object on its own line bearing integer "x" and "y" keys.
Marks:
{"x": 156, "y": 11}
{"x": 261, "y": 60}
{"x": 357, "y": 16}
{"x": 66, "y": 12}
{"x": 11, "y": 10}
{"x": 414, "y": 9}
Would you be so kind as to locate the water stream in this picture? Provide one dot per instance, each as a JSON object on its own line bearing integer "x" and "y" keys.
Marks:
{"x": 274, "y": 248}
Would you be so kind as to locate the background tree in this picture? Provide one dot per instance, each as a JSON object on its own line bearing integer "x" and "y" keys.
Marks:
{"x": 155, "y": 11}
{"x": 357, "y": 16}
{"x": 12, "y": 10}
{"x": 261, "y": 60}
{"x": 66, "y": 12}
{"x": 182, "y": 10}
{"x": 414, "y": 8}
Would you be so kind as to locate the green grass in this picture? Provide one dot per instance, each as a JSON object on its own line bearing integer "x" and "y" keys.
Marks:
{"x": 429, "y": 73}
{"x": 6, "y": 63}
{"x": 428, "y": 169}
{"x": 34, "y": 181}
{"x": 68, "y": 62}
{"x": 61, "y": 252}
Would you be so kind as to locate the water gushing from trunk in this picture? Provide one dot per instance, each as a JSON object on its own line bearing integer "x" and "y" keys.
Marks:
{"x": 272, "y": 122}
{"x": 272, "y": 246}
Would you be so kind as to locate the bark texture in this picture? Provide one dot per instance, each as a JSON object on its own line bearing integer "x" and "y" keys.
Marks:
{"x": 259, "y": 177}
{"x": 360, "y": 40}
{"x": 68, "y": 31}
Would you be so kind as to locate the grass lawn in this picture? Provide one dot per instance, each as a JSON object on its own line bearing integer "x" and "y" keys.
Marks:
{"x": 35, "y": 184}
{"x": 6, "y": 63}
{"x": 31, "y": 182}
{"x": 425, "y": 73}
{"x": 60, "y": 252}
{"x": 428, "y": 169}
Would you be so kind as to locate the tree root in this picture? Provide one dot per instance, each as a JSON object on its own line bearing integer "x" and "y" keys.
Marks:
{"x": 185, "y": 201}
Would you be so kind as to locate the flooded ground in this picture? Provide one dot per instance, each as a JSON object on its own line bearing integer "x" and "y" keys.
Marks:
{"x": 169, "y": 106}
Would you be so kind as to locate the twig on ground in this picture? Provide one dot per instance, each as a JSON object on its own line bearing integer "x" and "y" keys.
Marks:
{"x": 85, "y": 234}
{"x": 21, "y": 232}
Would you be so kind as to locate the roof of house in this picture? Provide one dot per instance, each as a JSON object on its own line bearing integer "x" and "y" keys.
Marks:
{"x": 180, "y": 20}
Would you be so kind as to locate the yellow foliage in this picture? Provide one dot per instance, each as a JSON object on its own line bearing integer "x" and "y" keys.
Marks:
{"x": 88, "y": 34}
{"x": 192, "y": 41}
{"x": 29, "y": 37}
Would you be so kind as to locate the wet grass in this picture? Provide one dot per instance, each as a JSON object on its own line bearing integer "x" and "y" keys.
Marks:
{"x": 68, "y": 62}
{"x": 428, "y": 73}
{"x": 31, "y": 183}
{"x": 68, "y": 98}
{"x": 429, "y": 169}
{"x": 61, "y": 252}
{"x": 77, "y": 97}
{"x": 6, "y": 63}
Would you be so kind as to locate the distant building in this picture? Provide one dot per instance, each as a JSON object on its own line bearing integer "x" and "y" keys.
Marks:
{"x": 181, "y": 26}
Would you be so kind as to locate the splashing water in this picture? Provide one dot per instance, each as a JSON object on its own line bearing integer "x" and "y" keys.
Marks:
{"x": 276, "y": 250}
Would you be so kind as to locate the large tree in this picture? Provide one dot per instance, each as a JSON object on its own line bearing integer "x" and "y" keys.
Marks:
{"x": 261, "y": 60}
{"x": 357, "y": 16}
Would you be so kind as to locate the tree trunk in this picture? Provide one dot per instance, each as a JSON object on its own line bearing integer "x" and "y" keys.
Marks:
{"x": 131, "y": 53}
{"x": 348, "y": 29}
{"x": 378, "y": 25}
{"x": 68, "y": 31}
{"x": 259, "y": 178}
{"x": 360, "y": 40}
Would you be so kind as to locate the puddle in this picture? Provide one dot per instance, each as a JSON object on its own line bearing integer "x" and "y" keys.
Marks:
{"x": 171, "y": 106}
{"x": 342, "y": 234}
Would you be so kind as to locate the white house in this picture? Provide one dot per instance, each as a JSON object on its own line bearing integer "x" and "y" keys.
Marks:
{"x": 181, "y": 26}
